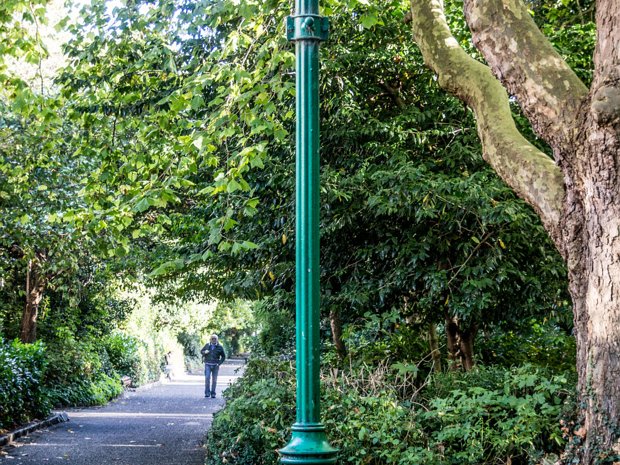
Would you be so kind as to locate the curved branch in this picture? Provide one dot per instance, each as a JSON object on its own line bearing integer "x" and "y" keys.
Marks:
{"x": 532, "y": 174}
{"x": 547, "y": 89}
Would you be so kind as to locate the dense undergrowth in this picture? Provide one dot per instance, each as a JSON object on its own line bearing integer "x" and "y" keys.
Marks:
{"x": 487, "y": 416}
{"x": 395, "y": 411}
{"x": 66, "y": 371}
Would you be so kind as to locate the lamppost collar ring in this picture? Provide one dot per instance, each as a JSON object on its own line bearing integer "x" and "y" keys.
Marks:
{"x": 307, "y": 27}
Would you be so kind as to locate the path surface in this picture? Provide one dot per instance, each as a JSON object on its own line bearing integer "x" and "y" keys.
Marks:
{"x": 165, "y": 424}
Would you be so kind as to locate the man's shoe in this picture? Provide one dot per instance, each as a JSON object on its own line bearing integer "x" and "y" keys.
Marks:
{"x": 213, "y": 396}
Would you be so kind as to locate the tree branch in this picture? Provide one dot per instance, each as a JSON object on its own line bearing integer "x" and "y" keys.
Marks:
{"x": 392, "y": 92}
{"x": 532, "y": 174}
{"x": 547, "y": 89}
{"x": 607, "y": 53}
{"x": 605, "y": 88}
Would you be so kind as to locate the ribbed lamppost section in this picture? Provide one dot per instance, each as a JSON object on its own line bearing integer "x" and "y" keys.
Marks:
{"x": 309, "y": 443}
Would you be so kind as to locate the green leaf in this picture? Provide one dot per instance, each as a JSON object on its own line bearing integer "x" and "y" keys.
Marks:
{"x": 368, "y": 20}
{"x": 232, "y": 186}
{"x": 167, "y": 268}
{"x": 143, "y": 205}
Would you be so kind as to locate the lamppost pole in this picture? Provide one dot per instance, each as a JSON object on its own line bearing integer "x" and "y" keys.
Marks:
{"x": 309, "y": 443}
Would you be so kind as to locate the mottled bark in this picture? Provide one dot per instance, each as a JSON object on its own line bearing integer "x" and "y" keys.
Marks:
{"x": 35, "y": 286}
{"x": 607, "y": 55}
{"x": 526, "y": 169}
{"x": 580, "y": 207}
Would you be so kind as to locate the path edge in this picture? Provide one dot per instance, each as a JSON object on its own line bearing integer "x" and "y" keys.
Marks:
{"x": 59, "y": 417}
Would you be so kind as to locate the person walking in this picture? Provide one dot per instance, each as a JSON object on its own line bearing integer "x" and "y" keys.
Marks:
{"x": 168, "y": 365}
{"x": 213, "y": 356}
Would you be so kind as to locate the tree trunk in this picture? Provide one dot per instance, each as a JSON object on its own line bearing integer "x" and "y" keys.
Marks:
{"x": 576, "y": 194}
{"x": 592, "y": 247}
{"x": 433, "y": 342}
{"x": 336, "y": 326}
{"x": 35, "y": 286}
{"x": 467, "y": 347}
{"x": 597, "y": 320}
{"x": 452, "y": 344}
{"x": 460, "y": 344}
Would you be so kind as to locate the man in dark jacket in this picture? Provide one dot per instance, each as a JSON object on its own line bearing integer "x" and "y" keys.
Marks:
{"x": 213, "y": 355}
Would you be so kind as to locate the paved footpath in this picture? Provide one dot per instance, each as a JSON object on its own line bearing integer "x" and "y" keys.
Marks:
{"x": 165, "y": 424}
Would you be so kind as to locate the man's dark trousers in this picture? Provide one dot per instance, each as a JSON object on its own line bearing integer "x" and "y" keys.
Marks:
{"x": 211, "y": 379}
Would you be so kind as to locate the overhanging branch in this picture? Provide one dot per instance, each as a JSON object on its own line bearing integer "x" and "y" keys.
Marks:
{"x": 547, "y": 89}
{"x": 532, "y": 174}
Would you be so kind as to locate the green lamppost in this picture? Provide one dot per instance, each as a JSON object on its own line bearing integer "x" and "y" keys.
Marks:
{"x": 309, "y": 443}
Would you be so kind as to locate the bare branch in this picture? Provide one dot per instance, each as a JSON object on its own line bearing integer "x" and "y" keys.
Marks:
{"x": 532, "y": 174}
{"x": 547, "y": 89}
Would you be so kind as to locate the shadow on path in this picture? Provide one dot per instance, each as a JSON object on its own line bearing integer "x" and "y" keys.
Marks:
{"x": 165, "y": 424}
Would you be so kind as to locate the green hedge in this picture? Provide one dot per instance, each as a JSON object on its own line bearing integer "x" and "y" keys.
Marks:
{"x": 22, "y": 397}
{"x": 488, "y": 416}
{"x": 80, "y": 373}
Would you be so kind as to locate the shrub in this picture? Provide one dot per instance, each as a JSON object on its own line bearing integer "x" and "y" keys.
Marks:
{"x": 485, "y": 417}
{"x": 94, "y": 391}
{"x": 372, "y": 429}
{"x": 79, "y": 372}
{"x": 123, "y": 352}
{"x": 256, "y": 421}
{"x": 542, "y": 344}
{"x": 377, "y": 339}
{"x": 130, "y": 356}
{"x": 149, "y": 368}
{"x": 191, "y": 350}
{"x": 22, "y": 397}
{"x": 494, "y": 415}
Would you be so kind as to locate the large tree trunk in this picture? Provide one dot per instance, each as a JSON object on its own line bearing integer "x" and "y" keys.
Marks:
{"x": 35, "y": 287}
{"x": 593, "y": 250}
{"x": 596, "y": 297}
{"x": 577, "y": 195}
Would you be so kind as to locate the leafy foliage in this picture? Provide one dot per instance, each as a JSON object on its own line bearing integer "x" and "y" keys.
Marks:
{"x": 22, "y": 394}
{"x": 496, "y": 414}
{"x": 260, "y": 410}
{"x": 484, "y": 417}
{"x": 544, "y": 344}
{"x": 80, "y": 372}
{"x": 18, "y": 20}
{"x": 122, "y": 350}
{"x": 412, "y": 219}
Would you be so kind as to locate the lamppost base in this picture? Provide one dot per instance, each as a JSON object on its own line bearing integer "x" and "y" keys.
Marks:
{"x": 308, "y": 446}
